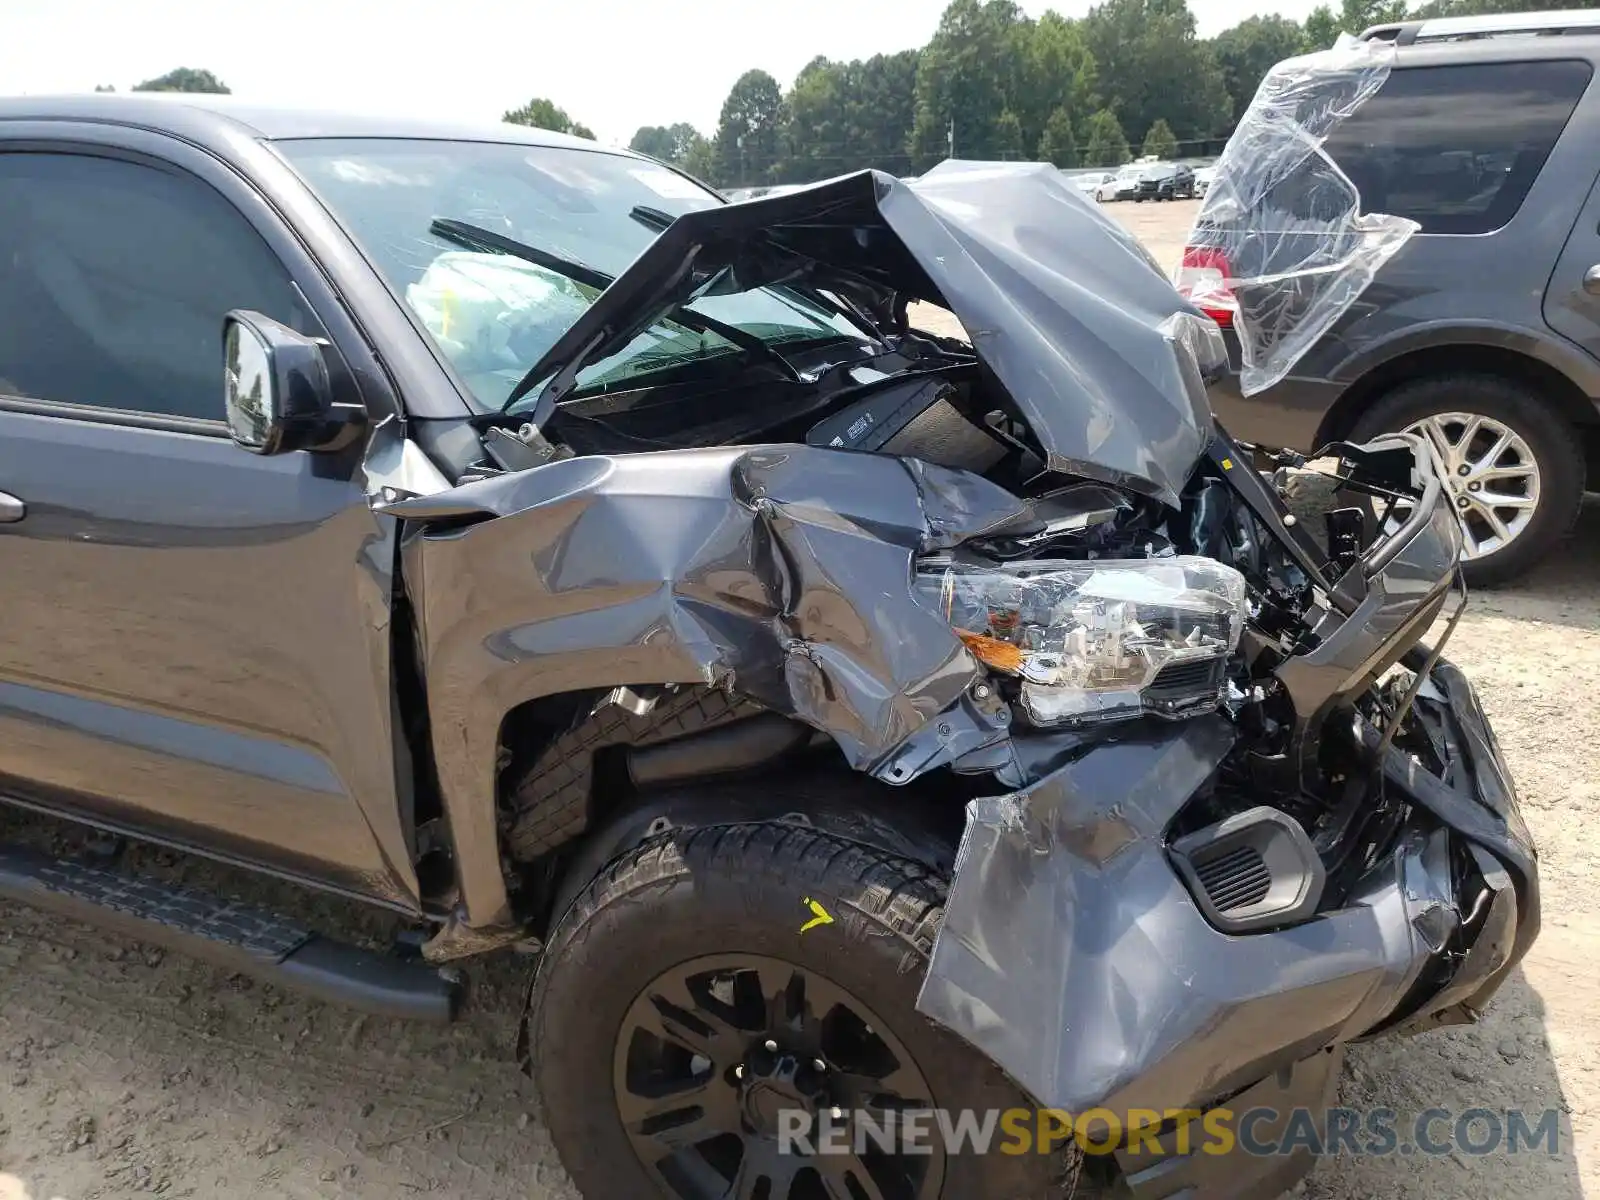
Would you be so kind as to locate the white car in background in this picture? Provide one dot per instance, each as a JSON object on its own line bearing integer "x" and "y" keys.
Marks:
{"x": 1089, "y": 182}
{"x": 1122, "y": 185}
{"x": 1202, "y": 180}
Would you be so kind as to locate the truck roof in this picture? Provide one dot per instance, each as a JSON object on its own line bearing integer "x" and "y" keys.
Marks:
{"x": 204, "y": 118}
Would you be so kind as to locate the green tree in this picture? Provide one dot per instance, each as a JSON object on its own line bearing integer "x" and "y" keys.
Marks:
{"x": 1058, "y": 73}
{"x": 1152, "y": 66}
{"x": 1159, "y": 142}
{"x": 844, "y": 116}
{"x": 104, "y": 87}
{"x": 749, "y": 129}
{"x": 540, "y": 113}
{"x": 966, "y": 77}
{"x": 883, "y": 109}
{"x": 684, "y": 138}
{"x": 700, "y": 160}
{"x": 1358, "y": 15}
{"x": 1321, "y": 28}
{"x": 1249, "y": 50}
{"x": 653, "y": 140}
{"x": 669, "y": 143}
{"x": 1324, "y": 25}
{"x": 1008, "y": 137}
{"x": 818, "y": 130}
{"x": 1104, "y": 142}
{"x": 184, "y": 79}
{"x": 1057, "y": 144}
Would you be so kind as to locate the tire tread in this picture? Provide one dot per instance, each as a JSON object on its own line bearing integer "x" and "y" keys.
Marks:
{"x": 892, "y": 894}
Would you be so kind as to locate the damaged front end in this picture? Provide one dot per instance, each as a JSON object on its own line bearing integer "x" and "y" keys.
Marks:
{"x": 1185, "y": 914}
{"x": 1232, "y": 811}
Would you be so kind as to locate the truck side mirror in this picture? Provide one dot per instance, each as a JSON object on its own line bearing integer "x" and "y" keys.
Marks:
{"x": 279, "y": 397}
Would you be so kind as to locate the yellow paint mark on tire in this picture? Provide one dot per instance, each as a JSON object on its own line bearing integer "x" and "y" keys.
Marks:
{"x": 819, "y": 915}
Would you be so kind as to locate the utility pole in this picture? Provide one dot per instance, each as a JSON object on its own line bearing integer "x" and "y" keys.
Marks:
{"x": 950, "y": 138}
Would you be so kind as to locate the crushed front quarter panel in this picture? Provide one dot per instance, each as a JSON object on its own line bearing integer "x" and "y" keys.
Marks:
{"x": 783, "y": 574}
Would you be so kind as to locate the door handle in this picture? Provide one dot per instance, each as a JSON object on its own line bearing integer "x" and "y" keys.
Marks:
{"x": 11, "y": 509}
{"x": 1591, "y": 280}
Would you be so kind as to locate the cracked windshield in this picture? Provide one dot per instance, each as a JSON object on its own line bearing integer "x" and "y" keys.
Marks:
{"x": 498, "y": 248}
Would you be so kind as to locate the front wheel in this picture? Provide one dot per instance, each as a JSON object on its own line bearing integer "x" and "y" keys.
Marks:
{"x": 1515, "y": 466}
{"x": 717, "y": 999}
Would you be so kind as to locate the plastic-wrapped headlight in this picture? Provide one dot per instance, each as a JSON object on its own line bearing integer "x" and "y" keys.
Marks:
{"x": 1098, "y": 640}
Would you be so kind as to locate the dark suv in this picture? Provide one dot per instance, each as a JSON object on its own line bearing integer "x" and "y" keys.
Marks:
{"x": 1483, "y": 332}
{"x": 1166, "y": 181}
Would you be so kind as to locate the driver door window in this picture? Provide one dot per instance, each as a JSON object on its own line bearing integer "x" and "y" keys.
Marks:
{"x": 196, "y": 641}
{"x": 115, "y": 279}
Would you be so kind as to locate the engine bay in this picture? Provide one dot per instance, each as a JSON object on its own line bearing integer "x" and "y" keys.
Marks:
{"x": 1111, "y": 610}
{"x": 1128, "y": 599}
{"x": 916, "y": 396}
{"x": 1112, "y": 606}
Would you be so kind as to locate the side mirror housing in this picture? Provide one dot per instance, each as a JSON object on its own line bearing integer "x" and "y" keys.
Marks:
{"x": 279, "y": 395}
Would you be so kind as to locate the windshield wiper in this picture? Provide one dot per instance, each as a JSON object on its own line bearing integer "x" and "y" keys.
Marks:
{"x": 651, "y": 218}
{"x": 474, "y": 237}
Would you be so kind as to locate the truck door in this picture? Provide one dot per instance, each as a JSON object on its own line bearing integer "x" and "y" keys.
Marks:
{"x": 195, "y": 640}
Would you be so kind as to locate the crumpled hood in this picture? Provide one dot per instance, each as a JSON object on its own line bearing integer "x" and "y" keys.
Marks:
{"x": 1069, "y": 316}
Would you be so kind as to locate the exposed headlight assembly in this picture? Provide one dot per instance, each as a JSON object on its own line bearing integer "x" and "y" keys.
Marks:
{"x": 1098, "y": 640}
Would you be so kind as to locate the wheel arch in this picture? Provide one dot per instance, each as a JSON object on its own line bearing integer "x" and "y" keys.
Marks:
{"x": 679, "y": 569}
{"x": 1566, "y": 397}
{"x": 920, "y": 822}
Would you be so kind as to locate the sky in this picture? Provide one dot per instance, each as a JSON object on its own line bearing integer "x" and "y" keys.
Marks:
{"x": 612, "y": 64}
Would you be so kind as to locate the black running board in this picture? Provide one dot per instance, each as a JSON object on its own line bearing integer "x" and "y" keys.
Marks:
{"x": 230, "y": 935}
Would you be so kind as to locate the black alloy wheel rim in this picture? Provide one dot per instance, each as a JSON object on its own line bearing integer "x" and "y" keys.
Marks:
{"x": 712, "y": 1051}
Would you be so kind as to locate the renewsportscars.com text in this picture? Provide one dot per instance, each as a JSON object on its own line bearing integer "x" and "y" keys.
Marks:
{"x": 1257, "y": 1131}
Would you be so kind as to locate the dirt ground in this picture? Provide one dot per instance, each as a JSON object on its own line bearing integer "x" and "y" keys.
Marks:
{"x": 127, "y": 1071}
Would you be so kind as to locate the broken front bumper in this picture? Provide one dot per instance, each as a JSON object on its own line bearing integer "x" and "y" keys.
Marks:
{"x": 1074, "y": 954}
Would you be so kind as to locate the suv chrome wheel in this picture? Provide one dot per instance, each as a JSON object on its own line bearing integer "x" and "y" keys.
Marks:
{"x": 1493, "y": 477}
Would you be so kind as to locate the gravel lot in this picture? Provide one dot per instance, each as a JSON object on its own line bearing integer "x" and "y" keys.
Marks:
{"x": 127, "y": 1071}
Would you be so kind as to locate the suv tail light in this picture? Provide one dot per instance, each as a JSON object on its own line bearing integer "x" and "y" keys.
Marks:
{"x": 1203, "y": 279}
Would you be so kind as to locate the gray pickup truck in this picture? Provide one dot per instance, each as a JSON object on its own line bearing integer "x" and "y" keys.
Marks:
{"x": 507, "y": 532}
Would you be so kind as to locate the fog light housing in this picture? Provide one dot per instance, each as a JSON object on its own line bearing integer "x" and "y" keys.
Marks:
{"x": 1097, "y": 640}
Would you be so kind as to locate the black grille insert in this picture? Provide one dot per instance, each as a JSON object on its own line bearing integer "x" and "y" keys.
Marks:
{"x": 1254, "y": 870}
{"x": 1236, "y": 880}
{"x": 1196, "y": 675}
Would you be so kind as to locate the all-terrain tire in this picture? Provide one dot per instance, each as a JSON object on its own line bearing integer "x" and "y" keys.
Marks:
{"x": 745, "y": 889}
{"x": 1554, "y": 443}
